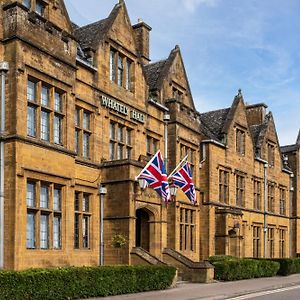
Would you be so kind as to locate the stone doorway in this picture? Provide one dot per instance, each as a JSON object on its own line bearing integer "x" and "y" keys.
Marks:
{"x": 142, "y": 229}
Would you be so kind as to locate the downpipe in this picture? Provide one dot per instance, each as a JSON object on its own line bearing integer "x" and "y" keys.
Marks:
{"x": 4, "y": 67}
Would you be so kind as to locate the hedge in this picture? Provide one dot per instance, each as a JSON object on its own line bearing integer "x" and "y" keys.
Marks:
{"x": 288, "y": 266}
{"x": 83, "y": 282}
{"x": 237, "y": 269}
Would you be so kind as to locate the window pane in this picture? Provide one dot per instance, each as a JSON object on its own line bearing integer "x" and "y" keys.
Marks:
{"x": 76, "y": 231}
{"x": 30, "y": 194}
{"x": 31, "y": 121}
{"x": 57, "y": 102}
{"x": 45, "y": 96}
{"x": 128, "y": 137}
{"x": 86, "y": 203}
{"x": 44, "y": 197}
{"x": 56, "y": 232}
{"x": 128, "y": 74}
{"x": 57, "y": 199}
{"x": 120, "y": 151}
{"x": 30, "y": 231}
{"x": 77, "y": 117}
{"x": 128, "y": 153}
{"x": 77, "y": 145}
{"x": 86, "y": 121}
{"x": 120, "y": 71}
{"x": 45, "y": 126}
{"x": 39, "y": 8}
{"x": 57, "y": 128}
{"x": 112, "y": 131}
{"x": 26, "y": 3}
{"x": 86, "y": 145}
{"x": 112, "y": 66}
{"x": 44, "y": 238}
{"x": 120, "y": 134}
{"x": 76, "y": 201}
{"x": 111, "y": 151}
{"x": 31, "y": 91}
{"x": 85, "y": 231}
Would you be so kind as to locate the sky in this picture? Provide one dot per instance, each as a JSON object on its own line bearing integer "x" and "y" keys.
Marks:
{"x": 227, "y": 45}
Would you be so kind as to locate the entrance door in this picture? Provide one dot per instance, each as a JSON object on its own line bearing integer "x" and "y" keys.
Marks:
{"x": 142, "y": 229}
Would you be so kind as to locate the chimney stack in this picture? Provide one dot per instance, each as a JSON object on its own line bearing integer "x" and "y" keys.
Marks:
{"x": 256, "y": 113}
{"x": 141, "y": 33}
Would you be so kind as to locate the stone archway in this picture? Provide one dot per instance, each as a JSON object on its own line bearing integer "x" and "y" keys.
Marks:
{"x": 143, "y": 229}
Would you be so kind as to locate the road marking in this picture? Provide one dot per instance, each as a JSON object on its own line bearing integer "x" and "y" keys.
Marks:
{"x": 258, "y": 294}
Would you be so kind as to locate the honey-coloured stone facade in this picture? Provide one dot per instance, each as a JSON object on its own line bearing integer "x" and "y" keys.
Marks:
{"x": 103, "y": 119}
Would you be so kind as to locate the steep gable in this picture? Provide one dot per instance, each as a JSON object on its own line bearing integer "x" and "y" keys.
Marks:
{"x": 169, "y": 72}
{"x": 298, "y": 138}
{"x": 59, "y": 16}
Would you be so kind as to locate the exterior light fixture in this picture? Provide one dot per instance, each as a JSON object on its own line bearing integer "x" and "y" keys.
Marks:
{"x": 142, "y": 183}
{"x": 173, "y": 190}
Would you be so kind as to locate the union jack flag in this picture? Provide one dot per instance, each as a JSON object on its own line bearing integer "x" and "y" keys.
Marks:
{"x": 155, "y": 175}
{"x": 183, "y": 179}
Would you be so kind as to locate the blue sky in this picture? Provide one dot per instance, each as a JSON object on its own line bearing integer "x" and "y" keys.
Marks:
{"x": 226, "y": 45}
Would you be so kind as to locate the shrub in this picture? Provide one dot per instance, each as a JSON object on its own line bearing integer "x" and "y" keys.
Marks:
{"x": 83, "y": 282}
{"x": 237, "y": 269}
{"x": 288, "y": 266}
{"x": 216, "y": 258}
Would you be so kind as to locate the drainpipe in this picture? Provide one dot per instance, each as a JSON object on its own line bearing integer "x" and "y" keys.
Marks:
{"x": 166, "y": 120}
{"x": 265, "y": 207}
{"x": 291, "y": 190}
{"x": 3, "y": 71}
{"x": 102, "y": 193}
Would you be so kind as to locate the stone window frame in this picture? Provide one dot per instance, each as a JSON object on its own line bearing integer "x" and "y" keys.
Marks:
{"x": 282, "y": 200}
{"x": 271, "y": 154}
{"x": 240, "y": 141}
{"x": 257, "y": 193}
{"x": 83, "y": 133}
{"x": 224, "y": 182}
{"x": 191, "y": 152}
{"x": 282, "y": 242}
{"x": 120, "y": 64}
{"x": 256, "y": 240}
{"x": 82, "y": 212}
{"x": 49, "y": 211}
{"x": 271, "y": 190}
{"x": 271, "y": 241}
{"x": 38, "y": 6}
{"x": 187, "y": 229}
{"x": 240, "y": 189}
{"x": 120, "y": 141}
{"x": 39, "y": 109}
{"x": 152, "y": 145}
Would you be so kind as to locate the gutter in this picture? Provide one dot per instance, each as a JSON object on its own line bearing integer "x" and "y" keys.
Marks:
{"x": 213, "y": 142}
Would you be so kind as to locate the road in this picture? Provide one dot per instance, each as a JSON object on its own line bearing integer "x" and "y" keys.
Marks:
{"x": 261, "y": 288}
{"x": 289, "y": 293}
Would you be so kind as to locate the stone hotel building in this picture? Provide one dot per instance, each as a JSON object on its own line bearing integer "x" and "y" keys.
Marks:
{"x": 85, "y": 107}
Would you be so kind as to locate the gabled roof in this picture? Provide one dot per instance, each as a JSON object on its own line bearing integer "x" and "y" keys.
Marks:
{"x": 212, "y": 123}
{"x": 153, "y": 73}
{"x": 90, "y": 35}
{"x": 258, "y": 133}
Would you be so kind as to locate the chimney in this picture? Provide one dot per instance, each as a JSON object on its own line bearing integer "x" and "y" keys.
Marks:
{"x": 141, "y": 34}
{"x": 256, "y": 113}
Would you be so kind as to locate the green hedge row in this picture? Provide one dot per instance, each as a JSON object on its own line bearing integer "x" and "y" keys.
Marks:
{"x": 83, "y": 282}
{"x": 229, "y": 268}
{"x": 288, "y": 266}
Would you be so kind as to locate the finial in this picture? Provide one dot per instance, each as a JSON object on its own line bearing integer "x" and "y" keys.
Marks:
{"x": 240, "y": 92}
{"x": 140, "y": 20}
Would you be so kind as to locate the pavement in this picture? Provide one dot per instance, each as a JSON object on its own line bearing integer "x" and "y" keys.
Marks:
{"x": 216, "y": 290}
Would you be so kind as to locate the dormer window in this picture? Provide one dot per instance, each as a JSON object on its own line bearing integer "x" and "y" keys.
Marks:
{"x": 39, "y": 8}
{"x": 271, "y": 154}
{"x": 120, "y": 69}
{"x": 240, "y": 141}
{"x": 27, "y": 3}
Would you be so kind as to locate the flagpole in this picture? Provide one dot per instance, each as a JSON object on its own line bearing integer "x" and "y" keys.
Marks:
{"x": 148, "y": 164}
{"x": 178, "y": 166}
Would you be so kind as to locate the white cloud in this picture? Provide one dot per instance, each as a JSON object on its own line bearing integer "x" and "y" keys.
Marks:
{"x": 191, "y": 5}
